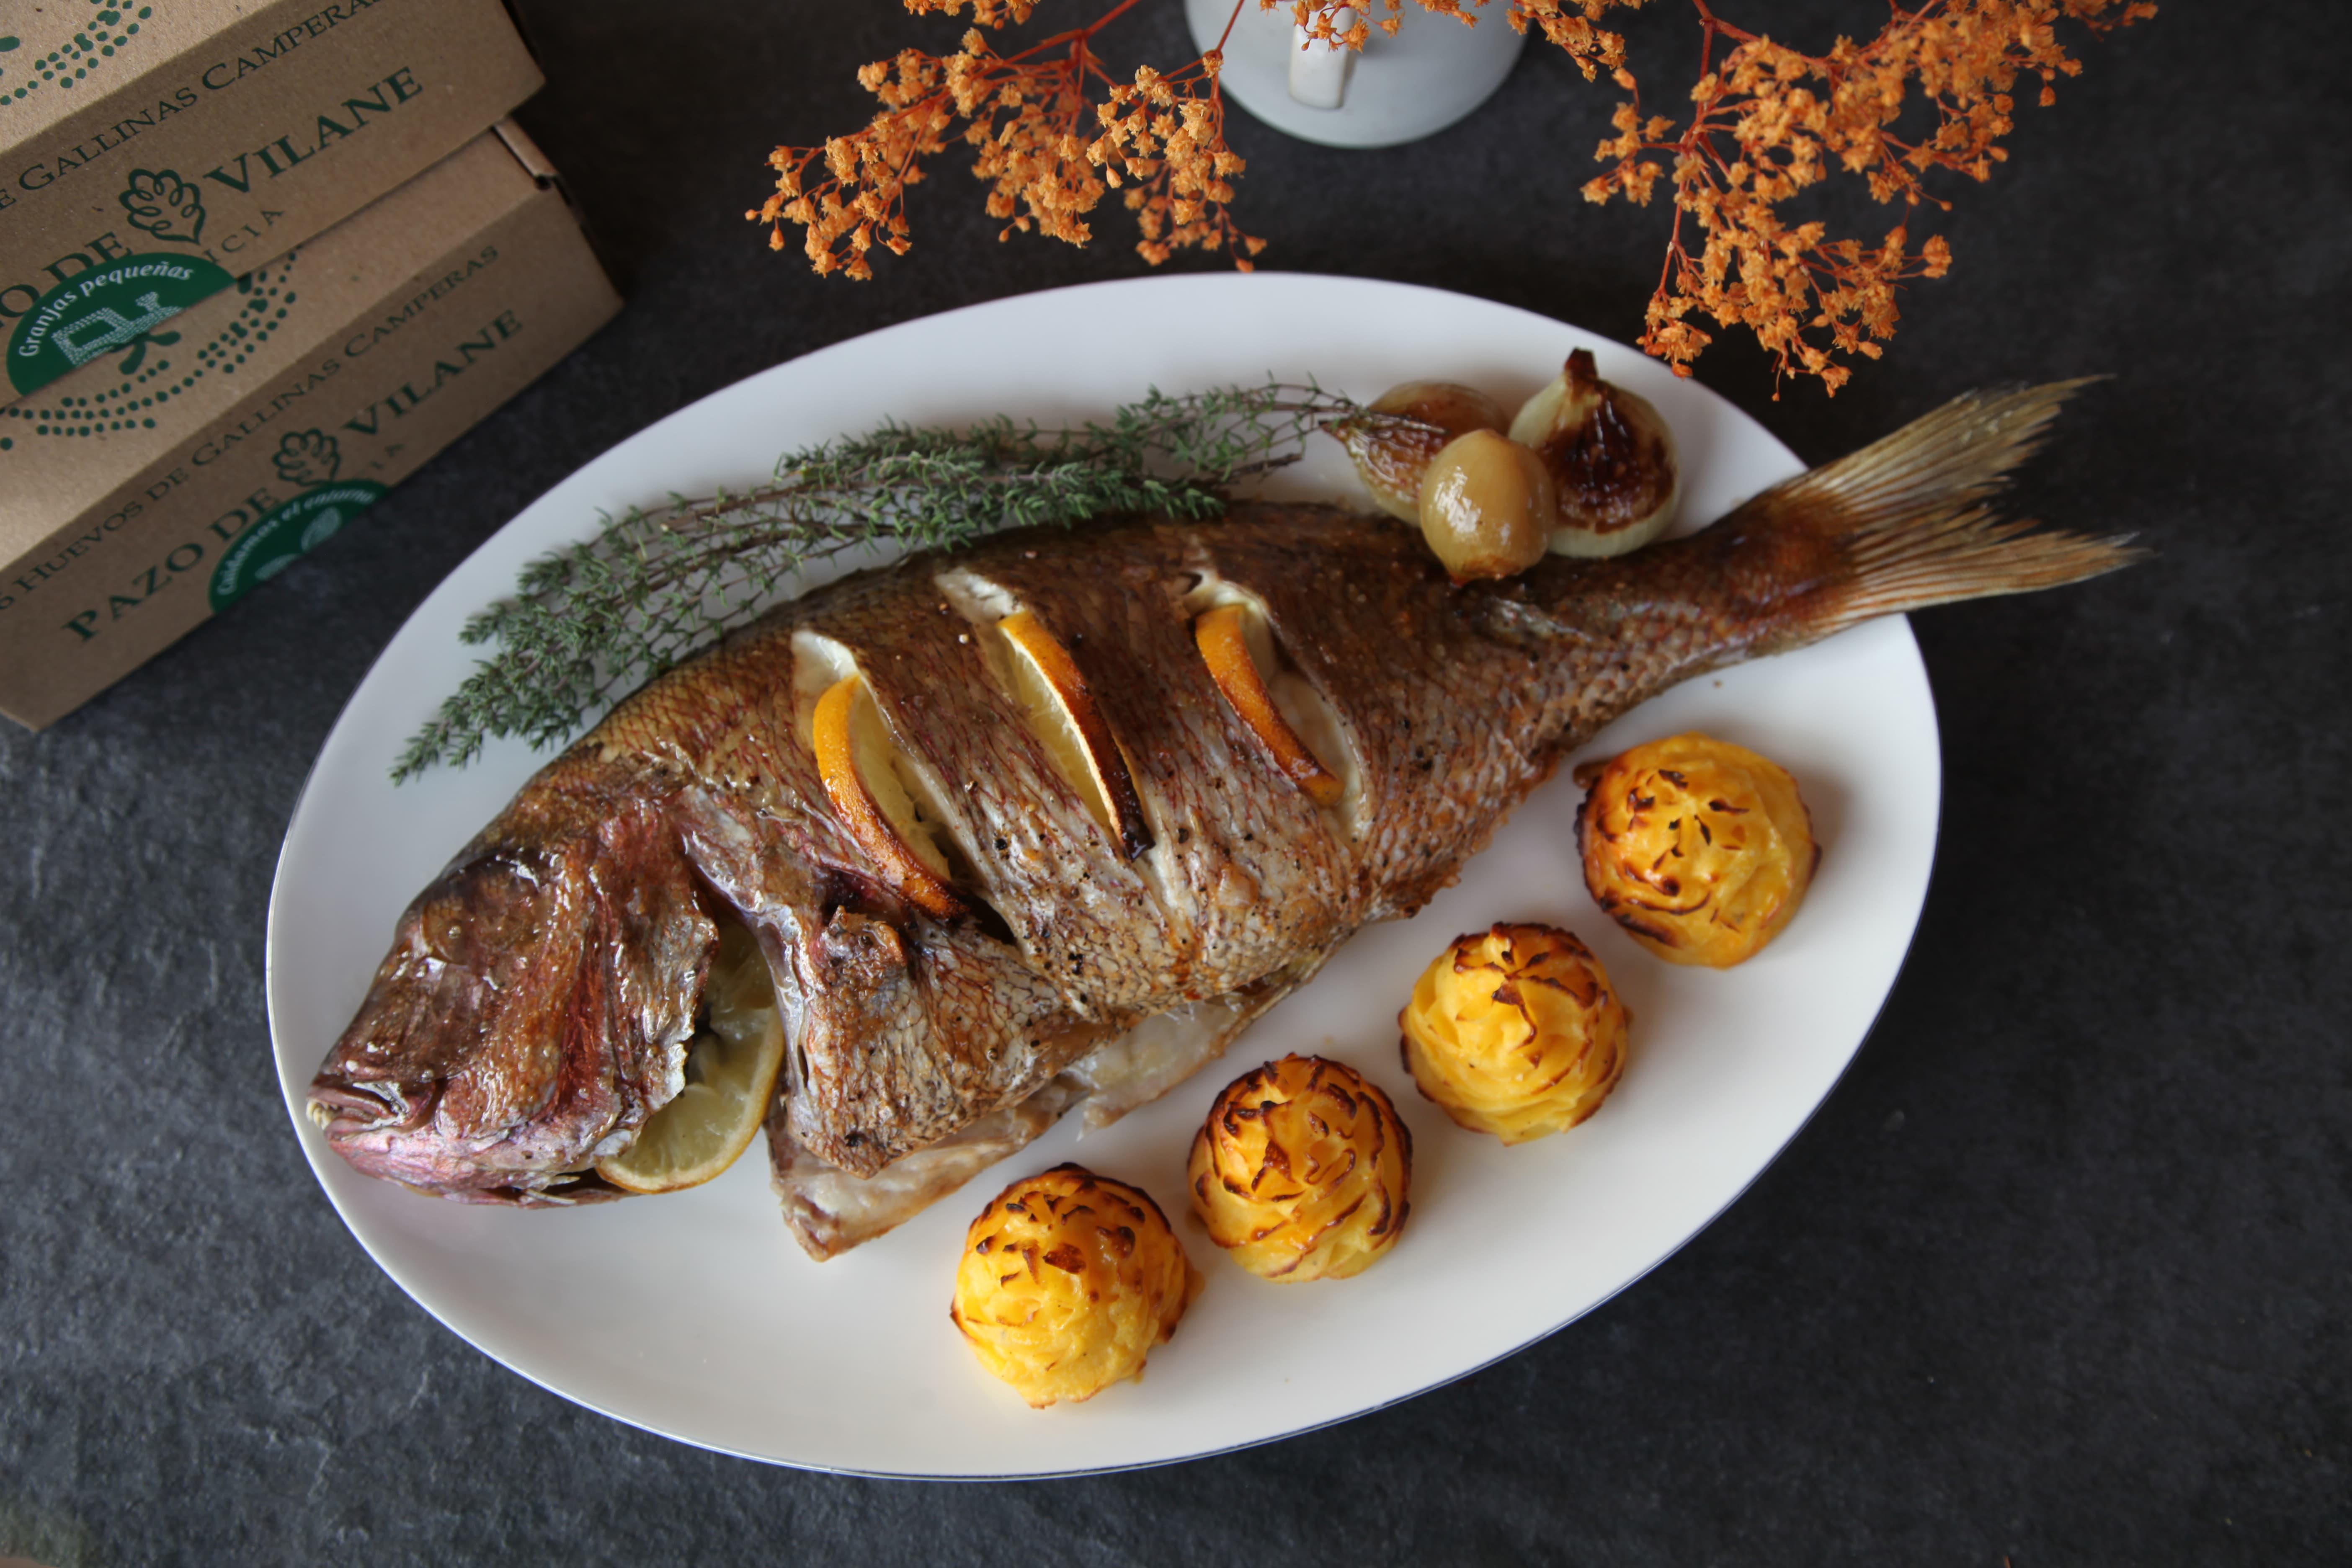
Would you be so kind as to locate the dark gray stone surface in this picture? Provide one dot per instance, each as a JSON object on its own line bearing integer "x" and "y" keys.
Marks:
{"x": 2058, "y": 1274}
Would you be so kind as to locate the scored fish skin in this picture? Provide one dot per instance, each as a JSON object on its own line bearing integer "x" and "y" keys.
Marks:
{"x": 494, "y": 1059}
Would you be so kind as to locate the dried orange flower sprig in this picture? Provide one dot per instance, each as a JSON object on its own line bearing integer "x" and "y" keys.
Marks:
{"x": 1021, "y": 112}
{"x": 1048, "y": 148}
{"x": 1767, "y": 123}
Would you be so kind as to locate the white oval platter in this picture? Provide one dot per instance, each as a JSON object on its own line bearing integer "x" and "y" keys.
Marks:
{"x": 695, "y": 1315}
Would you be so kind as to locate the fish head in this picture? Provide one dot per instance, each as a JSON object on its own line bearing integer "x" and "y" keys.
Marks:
{"x": 535, "y": 1008}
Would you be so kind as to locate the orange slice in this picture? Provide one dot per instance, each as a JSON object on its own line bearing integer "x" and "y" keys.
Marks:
{"x": 855, "y": 758}
{"x": 1066, "y": 718}
{"x": 730, "y": 1077}
{"x": 1223, "y": 636}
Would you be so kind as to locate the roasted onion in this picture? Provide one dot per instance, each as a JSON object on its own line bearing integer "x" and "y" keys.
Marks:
{"x": 1486, "y": 505}
{"x": 1616, "y": 478}
{"x": 1391, "y": 456}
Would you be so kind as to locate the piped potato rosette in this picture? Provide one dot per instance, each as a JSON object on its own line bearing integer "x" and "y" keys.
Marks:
{"x": 1068, "y": 1280}
{"x": 1701, "y": 849}
{"x": 1514, "y": 1031}
{"x": 1301, "y": 1171}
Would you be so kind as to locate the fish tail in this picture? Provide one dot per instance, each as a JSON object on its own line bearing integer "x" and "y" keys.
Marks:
{"x": 1910, "y": 521}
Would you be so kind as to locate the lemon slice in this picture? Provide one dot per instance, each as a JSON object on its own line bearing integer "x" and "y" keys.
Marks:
{"x": 1222, "y": 638}
{"x": 730, "y": 1077}
{"x": 1066, "y": 719}
{"x": 858, "y": 764}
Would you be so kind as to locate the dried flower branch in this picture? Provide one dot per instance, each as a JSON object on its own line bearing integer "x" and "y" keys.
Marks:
{"x": 1592, "y": 48}
{"x": 1168, "y": 134}
{"x": 1047, "y": 147}
{"x": 1767, "y": 123}
{"x": 1020, "y": 112}
{"x": 594, "y": 620}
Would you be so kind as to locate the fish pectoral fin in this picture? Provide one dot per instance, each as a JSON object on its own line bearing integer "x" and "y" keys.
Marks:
{"x": 829, "y": 1210}
{"x": 1164, "y": 1049}
{"x": 864, "y": 958}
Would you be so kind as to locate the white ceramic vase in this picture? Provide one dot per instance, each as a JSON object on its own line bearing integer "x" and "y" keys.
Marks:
{"x": 1399, "y": 89}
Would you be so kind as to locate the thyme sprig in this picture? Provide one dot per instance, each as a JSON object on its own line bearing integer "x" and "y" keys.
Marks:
{"x": 594, "y": 620}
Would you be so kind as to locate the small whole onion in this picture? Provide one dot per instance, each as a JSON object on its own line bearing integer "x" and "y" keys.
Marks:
{"x": 1486, "y": 506}
{"x": 1391, "y": 456}
{"x": 1612, "y": 459}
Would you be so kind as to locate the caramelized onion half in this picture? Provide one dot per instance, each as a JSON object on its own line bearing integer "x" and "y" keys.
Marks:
{"x": 1616, "y": 476}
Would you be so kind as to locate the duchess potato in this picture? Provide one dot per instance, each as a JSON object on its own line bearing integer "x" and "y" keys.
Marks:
{"x": 1068, "y": 1282}
{"x": 1701, "y": 849}
{"x": 1301, "y": 1171}
{"x": 1514, "y": 1031}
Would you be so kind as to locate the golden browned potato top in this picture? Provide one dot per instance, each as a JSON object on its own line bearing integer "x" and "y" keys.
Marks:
{"x": 1514, "y": 1031}
{"x": 1068, "y": 1282}
{"x": 1701, "y": 849}
{"x": 1301, "y": 1171}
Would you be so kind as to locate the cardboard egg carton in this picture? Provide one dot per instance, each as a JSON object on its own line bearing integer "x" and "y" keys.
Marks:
{"x": 156, "y": 487}
{"x": 152, "y": 154}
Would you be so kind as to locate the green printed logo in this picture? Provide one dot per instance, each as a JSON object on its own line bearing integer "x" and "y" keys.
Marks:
{"x": 89, "y": 40}
{"x": 141, "y": 390}
{"x": 301, "y": 525}
{"x": 110, "y": 308}
{"x": 308, "y": 458}
{"x": 158, "y": 201}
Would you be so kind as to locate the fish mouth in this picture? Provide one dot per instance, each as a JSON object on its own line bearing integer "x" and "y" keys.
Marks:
{"x": 341, "y": 1108}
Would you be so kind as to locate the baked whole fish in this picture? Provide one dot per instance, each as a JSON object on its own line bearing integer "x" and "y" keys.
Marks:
{"x": 538, "y": 999}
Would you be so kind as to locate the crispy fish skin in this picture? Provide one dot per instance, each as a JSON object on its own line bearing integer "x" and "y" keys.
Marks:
{"x": 536, "y": 1005}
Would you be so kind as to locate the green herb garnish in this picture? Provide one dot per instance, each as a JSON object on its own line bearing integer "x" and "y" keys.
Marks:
{"x": 594, "y": 621}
